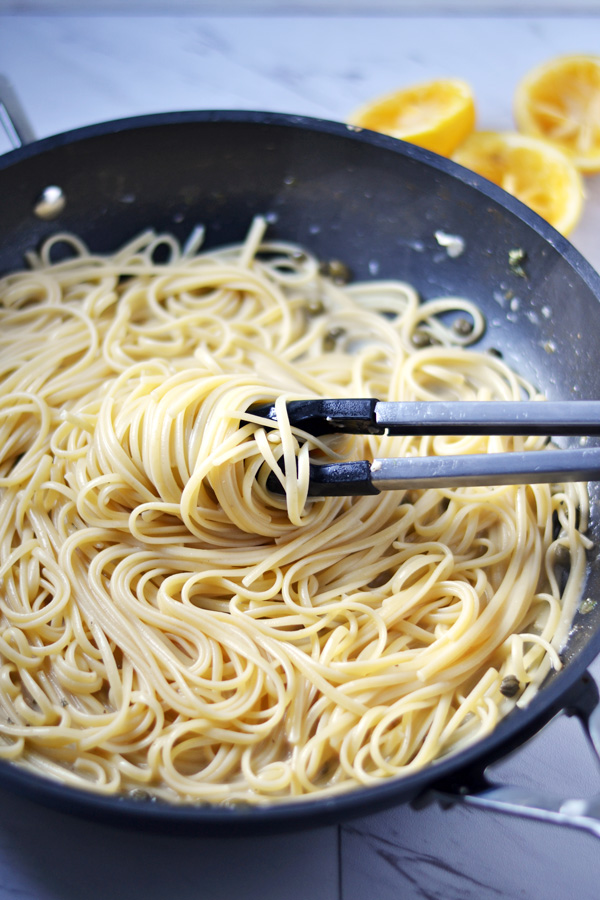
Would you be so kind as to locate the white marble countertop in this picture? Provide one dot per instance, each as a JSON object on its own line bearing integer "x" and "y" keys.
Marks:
{"x": 71, "y": 71}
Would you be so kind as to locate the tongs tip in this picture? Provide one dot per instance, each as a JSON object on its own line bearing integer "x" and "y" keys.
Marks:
{"x": 319, "y": 416}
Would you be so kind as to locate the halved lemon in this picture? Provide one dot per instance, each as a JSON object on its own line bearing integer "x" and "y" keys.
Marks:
{"x": 531, "y": 169}
{"x": 437, "y": 115}
{"x": 560, "y": 101}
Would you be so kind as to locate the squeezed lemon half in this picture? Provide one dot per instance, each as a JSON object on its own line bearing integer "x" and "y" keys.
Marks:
{"x": 437, "y": 115}
{"x": 533, "y": 170}
{"x": 560, "y": 100}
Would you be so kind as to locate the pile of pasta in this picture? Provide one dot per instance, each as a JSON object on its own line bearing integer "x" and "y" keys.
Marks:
{"x": 169, "y": 627}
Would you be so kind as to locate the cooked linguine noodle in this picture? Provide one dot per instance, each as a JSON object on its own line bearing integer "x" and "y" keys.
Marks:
{"x": 170, "y": 627}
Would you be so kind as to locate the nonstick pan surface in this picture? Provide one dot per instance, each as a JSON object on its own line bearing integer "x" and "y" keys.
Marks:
{"x": 387, "y": 209}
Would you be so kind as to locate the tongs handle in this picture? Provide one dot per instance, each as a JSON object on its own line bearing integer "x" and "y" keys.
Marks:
{"x": 455, "y": 417}
{"x": 548, "y": 417}
{"x": 361, "y": 478}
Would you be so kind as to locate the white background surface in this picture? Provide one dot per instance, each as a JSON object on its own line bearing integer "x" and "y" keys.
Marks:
{"x": 71, "y": 71}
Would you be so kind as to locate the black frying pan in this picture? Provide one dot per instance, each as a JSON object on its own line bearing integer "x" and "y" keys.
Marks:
{"x": 376, "y": 203}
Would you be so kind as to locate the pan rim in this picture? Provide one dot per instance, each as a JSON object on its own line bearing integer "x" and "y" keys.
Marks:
{"x": 305, "y": 123}
{"x": 325, "y": 126}
{"x": 358, "y": 801}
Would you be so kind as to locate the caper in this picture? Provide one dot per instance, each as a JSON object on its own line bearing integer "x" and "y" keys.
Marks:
{"x": 315, "y": 307}
{"x": 421, "y": 338}
{"x": 562, "y": 556}
{"x": 463, "y": 326}
{"x": 139, "y": 794}
{"x": 510, "y": 686}
{"x": 337, "y": 270}
{"x": 332, "y": 336}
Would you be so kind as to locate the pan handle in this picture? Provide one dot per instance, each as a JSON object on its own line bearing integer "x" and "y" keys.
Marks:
{"x": 481, "y": 793}
{"x": 13, "y": 118}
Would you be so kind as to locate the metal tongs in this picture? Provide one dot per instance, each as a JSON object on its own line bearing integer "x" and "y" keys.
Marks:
{"x": 491, "y": 417}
